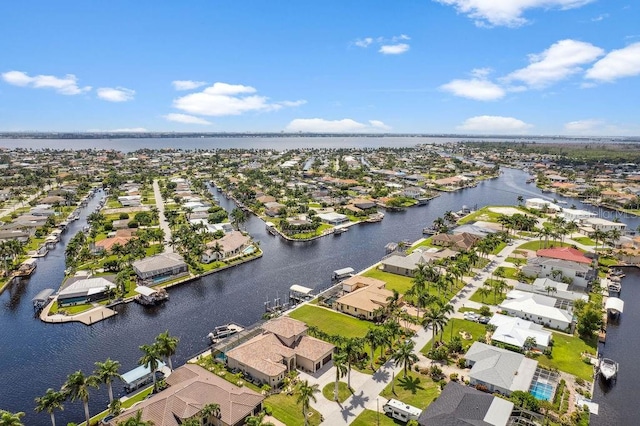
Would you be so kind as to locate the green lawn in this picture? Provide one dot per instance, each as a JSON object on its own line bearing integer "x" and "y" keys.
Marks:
{"x": 566, "y": 355}
{"x": 425, "y": 243}
{"x": 511, "y": 273}
{"x": 490, "y": 299}
{"x": 331, "y": 322}
{"x": 455, "y": 327}
{"x": 370, "y": 417}
{"x": 416, "y": 389}
{"x": 394, "y": 282}
{"x": 540, "y": 244}
{"x": 285, "y": 409}
{"x": 584, "y": 240}
{"x": 343, "y": 391}
{"x": 608, "y": 261}
{"x": 499, "y": 248}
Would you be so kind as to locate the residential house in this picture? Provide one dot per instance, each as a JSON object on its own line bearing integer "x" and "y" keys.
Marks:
{"x": 79, "y": 290}
{"x": 460, "y": 405}
{"x": 130, "y": 200}
{"x": 537, "y": 308}
{"x": 282, "y": 347}
{"x": 190, "y": 389}
{"x": 160, "y": 267}
{"x": 367, "y": 295}
{"x": 461, "y": 241}
{"x": 604, "y": 225}
{"x": 555, "y": 289}
{"x": 333, "y": 218}
{"x": 499, "y": 370}
{"x": 575, "y": 215}
{"x": 515, "y": 331}
{"x": 541, "y": 204}
{"x": 230, "y": 245}
{"x": 561, "y": 262}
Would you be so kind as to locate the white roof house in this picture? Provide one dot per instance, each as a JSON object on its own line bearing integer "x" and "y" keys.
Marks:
{"x": 500, "y": 370}
{"x": 333, "y": 218}
{"x": 599, "y": 224}
{"x": 575, "y": 215}
{"x": 515, "y": 331}
{"x": 541, "y": 204}
{"x": 537, "y": 308}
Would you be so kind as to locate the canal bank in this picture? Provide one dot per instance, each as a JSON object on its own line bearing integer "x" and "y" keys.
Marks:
{"x": 37, "y": 356}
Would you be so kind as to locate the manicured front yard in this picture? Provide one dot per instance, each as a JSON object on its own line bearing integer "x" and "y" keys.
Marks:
{"x": 331, "y": 322}
{"x": 285, "y": 409}
{"x": 416, "y": 389}
{"x": 343, "y": 391}
{"x": 540, "y": 244}
{"x": 394, "y": 282}
{"x": 370, "y": 417}
{"x": 456, "y": 327}
{"x": 490, "y": 299}
{"x": 566, "y": 355}
{"x": 584, "y": 240}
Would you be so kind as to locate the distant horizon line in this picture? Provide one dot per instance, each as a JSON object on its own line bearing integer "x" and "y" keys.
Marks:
{"x": 155, "y": 134}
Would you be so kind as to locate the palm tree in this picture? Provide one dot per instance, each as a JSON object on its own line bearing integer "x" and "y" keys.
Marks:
{"x": 598, "y": 235}
{"x": 52, "y": 400}
{"x": 484, "y": 291}
{"x": 106, "y": 372}
{"x": 374, "y": 339}
{"x": 352, "y": 348}
{"x": 306, "y": 394}
{"x": 436, "y": 319}
{"x": 238, "y": 218}
{"x": 404, "y": 355}
{"x": 166, "y": 346}
{"x": 136, "y": 421}
{"x": 11, "y": 419}
{"x": 339, "y": 362}
{"x": 77, "y": 387}
{"x": 210, "y": 410}
{"x": 258, "y": 420}
{"x": 150, "y": 359}
{"x": 545, "y": 233}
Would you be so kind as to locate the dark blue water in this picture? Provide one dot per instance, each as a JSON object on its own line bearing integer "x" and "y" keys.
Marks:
{"x": 35, "y": 356}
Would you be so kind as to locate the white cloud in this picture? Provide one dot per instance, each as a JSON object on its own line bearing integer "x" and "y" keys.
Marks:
{"x": 616, "y": 64}
{"x": 187, "y": 84}
{"x": 129, "y": 130}
{"x": 388, "y": 46}
{"x": 583, "y": 126}
{"x": 600, "y": 17}
{"x": 117, "y": 94}
{"x": 506, "y": 12}
{"x": 479, "y": 89}
{"x": 228, "y": 99}
{"x": 494, "y": 124}
{"x": 68, "y": 85}
{"x": 394, "y": 49}
{"x": 363, "y": 42}
{"x": 185, "y": 118}
{"x": 559, "y": 61}
{"x": 346, "y": 125}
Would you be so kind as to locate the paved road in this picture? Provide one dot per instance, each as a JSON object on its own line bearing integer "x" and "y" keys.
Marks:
{"x": 366, "y": 393}
{"x": 164, "y": 225}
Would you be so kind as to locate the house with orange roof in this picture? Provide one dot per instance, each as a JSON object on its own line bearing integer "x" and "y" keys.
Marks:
{"x": 561, "y": 263}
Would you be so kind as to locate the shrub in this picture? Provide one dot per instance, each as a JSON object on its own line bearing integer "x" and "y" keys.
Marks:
{"x": 132, "y": 224}
{"x": 453, "y": 377}
{"x": 482, "y": 388}
{"x": 124, "y": 216}
{"x": 462, "y": 363}
{"x": 485, "y": 311}
{"x": 435, "y": 372}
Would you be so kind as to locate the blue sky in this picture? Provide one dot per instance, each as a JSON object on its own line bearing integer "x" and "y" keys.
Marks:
{"x": 539, "y": 67}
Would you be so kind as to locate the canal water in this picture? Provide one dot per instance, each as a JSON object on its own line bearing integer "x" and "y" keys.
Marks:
{"x": 35, "y": 356}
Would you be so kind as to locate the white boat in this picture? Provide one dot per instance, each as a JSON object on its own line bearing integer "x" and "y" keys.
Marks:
{"x": 608, "y": 368}
{"x": 614, "y": 287}
{"x": 224, "y": 331}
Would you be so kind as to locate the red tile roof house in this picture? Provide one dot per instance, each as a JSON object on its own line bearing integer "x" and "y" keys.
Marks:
{"x": 566, "y": 261}
{"x": 191, "y": 387}
{"x": 283, "y": 346}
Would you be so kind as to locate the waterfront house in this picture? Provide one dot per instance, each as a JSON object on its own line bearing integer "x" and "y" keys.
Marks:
{"x": 79, "y": 290}
{"x": 541, "y": 204}
{"x": 561, "y": 263}
{"x": 333, "y": 218}
{"x": 461, "y": 241}
{"x": 514, "y": 331}
{"x": 575, "y": 215}
{"x": 283, "y": 346}
{"x": 230, "y": 245}
{"x": 160, "y": 267}
{"x": 190, "y": 389}
{"x": 463, "y": 405}
{"x": 555, "y": 289}
{"x": 537, "y": 308}
{"x": 499, "y": 370}
{"x": 364, "y": 298}
{"x": 598, "y": 224}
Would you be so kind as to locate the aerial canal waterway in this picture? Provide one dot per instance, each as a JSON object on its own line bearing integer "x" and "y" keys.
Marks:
{"x": 35, "y": 356}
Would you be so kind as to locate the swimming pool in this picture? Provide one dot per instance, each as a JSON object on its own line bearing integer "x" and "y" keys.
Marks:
{"x": 542, "y": 391}
{"x": 249, "y": 250}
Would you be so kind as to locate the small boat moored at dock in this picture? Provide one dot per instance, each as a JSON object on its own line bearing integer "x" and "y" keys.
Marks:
{"x": 148, "y": 296}
{"x": 339, "y": 274}
{"x": 26, "y": 268}
{"x": 224, "y": 331}
{"x": 607, "y": 368}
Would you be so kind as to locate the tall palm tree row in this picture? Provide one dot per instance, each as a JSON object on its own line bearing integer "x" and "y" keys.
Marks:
{"x": 404, "y": 355}
{"x": 306, "y": 393}
{"x": 77, "y": 388}
{"x": 52, "y": 400}
{"x": 106, "y": 372}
